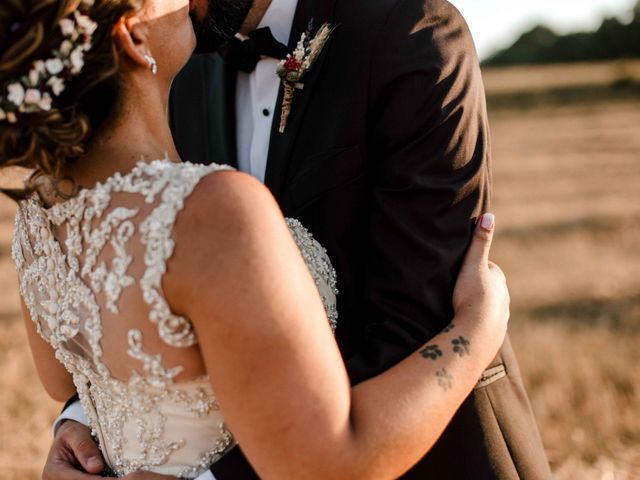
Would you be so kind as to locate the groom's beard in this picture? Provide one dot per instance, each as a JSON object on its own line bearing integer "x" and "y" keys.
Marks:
{"x": 221, "y": 22}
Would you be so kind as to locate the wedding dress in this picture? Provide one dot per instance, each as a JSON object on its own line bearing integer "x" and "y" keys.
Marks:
{"x": 90, "y": 271}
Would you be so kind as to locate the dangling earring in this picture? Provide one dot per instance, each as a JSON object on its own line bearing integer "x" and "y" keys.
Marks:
{"x": 153, "y": 65}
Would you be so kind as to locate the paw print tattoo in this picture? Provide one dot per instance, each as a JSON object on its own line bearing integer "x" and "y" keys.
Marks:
{"x": 461, "y": 346}
{"x": 449, "y": 328}
{"x": 445, "y": 379}
{"x": 431, "y": 351}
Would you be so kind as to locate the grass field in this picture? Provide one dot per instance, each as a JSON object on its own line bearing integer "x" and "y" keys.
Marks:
{"x": 568, "y": 207}
{"x": 552, "y": 85}
{"x": 568, "y": 211}
{"x": 542, "y": 78}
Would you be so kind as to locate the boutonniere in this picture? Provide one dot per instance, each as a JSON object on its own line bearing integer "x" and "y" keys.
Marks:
{"x": 293, "y": 68}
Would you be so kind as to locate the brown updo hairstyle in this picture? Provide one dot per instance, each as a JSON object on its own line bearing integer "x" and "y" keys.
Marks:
{"x": 50, "y": 141}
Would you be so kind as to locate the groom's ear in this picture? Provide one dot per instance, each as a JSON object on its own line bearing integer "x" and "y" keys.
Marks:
{"x": 131, "y": 34}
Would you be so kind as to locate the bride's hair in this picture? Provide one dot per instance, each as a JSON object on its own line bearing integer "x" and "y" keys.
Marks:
{"x": 30, "y": 31}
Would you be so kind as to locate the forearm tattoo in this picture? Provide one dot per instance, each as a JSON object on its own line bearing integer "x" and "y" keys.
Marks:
{"x": 461, "y": 346}
{"x": 445, "y": 379}
{"x": 431, "y": 352}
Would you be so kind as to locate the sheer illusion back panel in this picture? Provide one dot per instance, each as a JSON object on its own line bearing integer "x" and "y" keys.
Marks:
{"x": 91, "y": 270}
{"x": 111, "y": 258}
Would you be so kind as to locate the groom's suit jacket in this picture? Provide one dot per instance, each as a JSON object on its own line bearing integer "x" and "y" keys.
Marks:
{"x": 386, "y": 160}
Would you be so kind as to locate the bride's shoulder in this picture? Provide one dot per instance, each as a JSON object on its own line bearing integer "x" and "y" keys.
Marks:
{"x": 225, "y": 211}
{"x": 225, "y": 221}
{"x": 224, "y": 195}
{"x": 193, "y": 202}
{"x": 218, "y": 192}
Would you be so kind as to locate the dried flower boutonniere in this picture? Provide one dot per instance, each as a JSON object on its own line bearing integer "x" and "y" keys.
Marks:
{"x": 293, "y": 68}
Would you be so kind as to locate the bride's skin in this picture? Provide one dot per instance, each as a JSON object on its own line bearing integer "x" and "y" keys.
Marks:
{"x": 255, "y": 307}
{"x": 139, "y": 128}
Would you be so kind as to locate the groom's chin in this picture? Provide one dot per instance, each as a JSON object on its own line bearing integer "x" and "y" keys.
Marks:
{"x": 217, "y": 21}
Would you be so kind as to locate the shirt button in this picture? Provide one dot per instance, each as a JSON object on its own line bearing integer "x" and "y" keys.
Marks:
{"x": 266, "y": 112}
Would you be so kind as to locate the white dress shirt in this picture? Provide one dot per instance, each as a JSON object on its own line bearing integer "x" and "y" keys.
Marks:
{"x": 256, "y": 97}
{"x": 257, "y": 94}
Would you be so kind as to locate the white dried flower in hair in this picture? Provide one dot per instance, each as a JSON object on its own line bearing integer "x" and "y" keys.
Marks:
{"x": 57, "y": 85}
{"x": 35, "y": 89}
{"x": 34, "y": 77}
{"x": 32, "y": 97}
{"x": 77, "y": 60}
{"x": 54, "y": 66}
{"x": 16, "y": 94}
{"x": 85, "y": 23}
{"x": 65, "y": 47}
{"x": 39, "y": 66}
{"x": 67, "y": 26}
{"x": 45, "y": 102}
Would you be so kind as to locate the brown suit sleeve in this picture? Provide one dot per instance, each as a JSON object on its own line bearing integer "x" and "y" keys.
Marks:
{"x": 430, "y": 154}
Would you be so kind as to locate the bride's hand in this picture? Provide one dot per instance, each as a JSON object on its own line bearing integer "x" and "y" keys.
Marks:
{"x": 481, "y": 292}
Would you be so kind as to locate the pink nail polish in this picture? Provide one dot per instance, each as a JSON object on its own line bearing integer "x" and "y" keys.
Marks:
{"x": 487, "y": 221}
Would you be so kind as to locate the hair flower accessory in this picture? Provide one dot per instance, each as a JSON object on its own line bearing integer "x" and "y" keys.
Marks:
{"x": 16, "y": 94}
{"x": 34, "y": 92}
{"x": 67, "y": 26}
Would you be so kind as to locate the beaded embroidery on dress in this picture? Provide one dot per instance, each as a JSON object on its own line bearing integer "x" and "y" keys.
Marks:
{"x": 78, "y": 263}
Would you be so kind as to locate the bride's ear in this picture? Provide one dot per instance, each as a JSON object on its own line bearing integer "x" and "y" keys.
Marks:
{"x": 131, "y": 34}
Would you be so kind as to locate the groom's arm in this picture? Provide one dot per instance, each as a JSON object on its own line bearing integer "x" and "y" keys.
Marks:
{"x": 72, "y": 411}
{"x": 430, "y": 162}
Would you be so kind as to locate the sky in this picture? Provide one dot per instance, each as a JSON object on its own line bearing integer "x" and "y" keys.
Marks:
{"x": 497, "y": 23}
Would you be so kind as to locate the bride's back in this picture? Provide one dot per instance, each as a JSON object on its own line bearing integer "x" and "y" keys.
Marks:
{"x": 83, "y": 91}
{"x": 91, "y": 272}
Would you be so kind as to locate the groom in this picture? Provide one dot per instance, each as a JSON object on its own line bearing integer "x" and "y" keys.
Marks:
{"x": 383, "y": 154}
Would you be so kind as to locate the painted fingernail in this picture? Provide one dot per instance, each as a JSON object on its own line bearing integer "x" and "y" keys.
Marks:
{"x": 487, "y": 221}
{"x": 94, "y": 462}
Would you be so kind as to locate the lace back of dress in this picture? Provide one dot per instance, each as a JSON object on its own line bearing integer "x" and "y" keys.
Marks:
{"x": 91, "y": 273}
{"x": 98, "y": 260}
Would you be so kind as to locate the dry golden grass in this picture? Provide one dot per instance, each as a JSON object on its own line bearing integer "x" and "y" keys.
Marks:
{"x": 25, "y": 410}
{"x": 544, "y": 77}
{"x": 568, "y": 209}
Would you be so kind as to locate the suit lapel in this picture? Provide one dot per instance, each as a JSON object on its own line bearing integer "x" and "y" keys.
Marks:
{"x": 281, "y": 145}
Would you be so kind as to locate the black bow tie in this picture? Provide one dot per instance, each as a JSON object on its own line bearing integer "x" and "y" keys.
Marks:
{"x": 244, "y": 55}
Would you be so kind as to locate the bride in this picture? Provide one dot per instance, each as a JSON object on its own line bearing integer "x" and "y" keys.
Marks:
{"x": 155, "y": 283}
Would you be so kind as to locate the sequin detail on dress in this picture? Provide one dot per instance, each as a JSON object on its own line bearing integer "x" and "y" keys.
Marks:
{"x": 75, "y": 264}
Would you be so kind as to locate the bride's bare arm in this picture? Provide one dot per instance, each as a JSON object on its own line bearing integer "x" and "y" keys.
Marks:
{"x": 274, "y": 364}
{"x": 56, "y": 379}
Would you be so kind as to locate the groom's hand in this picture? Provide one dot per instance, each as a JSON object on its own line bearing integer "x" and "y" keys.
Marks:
{"x": 74, "y": 455}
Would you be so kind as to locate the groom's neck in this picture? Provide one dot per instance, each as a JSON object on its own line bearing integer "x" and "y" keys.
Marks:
{"x": 256, "y": 14}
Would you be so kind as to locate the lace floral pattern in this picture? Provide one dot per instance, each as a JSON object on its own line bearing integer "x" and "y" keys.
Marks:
{"x": 317, "y": 259}
{"x": 150, "y": 421}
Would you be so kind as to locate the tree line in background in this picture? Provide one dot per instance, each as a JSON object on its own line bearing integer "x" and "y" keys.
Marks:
{"x": 540, "y": 45}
